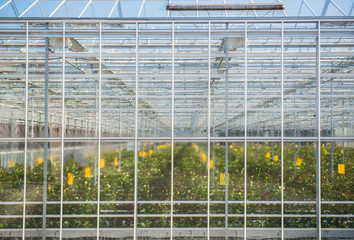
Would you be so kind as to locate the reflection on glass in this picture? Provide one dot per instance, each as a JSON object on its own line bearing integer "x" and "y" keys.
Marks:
{"x": 117, "y": 172}
{"x": 263, "y": 171}
{"x": 190, "y": 183}
{"x": 336, "y": 183}
{"x": 78, "y": 184}
{"x": 154, "y": 171}
{"x": 299, "y": 171}
{"x": 11, "y": 183}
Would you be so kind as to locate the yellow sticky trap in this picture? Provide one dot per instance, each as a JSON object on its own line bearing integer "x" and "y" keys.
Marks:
{"x": 140, "y": 154}
{"x": 268, "y": 155}
{"x": 231, "y": 146}
{"x": 323, "y": 145}
{"x": 151, "y": 152}
{"x": 218, "y": 144}
{"x": 325, "y": 151}
{"x": 204, "y": 157}
{"x": 267, "y": 147}
{"x": 298, "y": 161}
{"x": 70, "y": 179}
{"x": 11, "y": 163}
{"x": 242, "y": 150}
{"x": 87, "y": 172}
{"x": 158, "y": 147}
{"x": 222, "y": 179}
{"x": 236, "y": 150}
{"x": 117, "y": 150}
{"x": 40, "y": 160}
{"x": 115, "y": 161}
{"x": 163, "y": 146}
{"x": 341, "y": 168}
{"x": 151, "y": 143}
{"x": 211, "y": 164}
{"x": 252, "y": 154}
{"x": 51, "y": 157}
{"x": 144, "y": 154}
{"x": 341, "y": 151}
{"x": 102, "y": 163}
{"x": 276, "y": 158}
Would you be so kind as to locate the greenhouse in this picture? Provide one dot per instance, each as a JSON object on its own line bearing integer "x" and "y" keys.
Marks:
{"x": 176, "y": 119}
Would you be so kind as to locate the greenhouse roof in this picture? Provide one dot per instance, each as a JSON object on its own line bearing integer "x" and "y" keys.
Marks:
{"x": 174, "y": 8}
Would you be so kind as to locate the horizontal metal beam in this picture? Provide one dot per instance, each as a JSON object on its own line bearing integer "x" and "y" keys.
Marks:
{"x": 222, "y": 7}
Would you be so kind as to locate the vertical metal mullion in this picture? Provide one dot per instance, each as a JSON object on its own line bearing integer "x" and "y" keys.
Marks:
{"x": 209, "y": 79}
{"x": 172, "y": 124}
{"x": 318, "y": 124}
{"x": 62, "y": 139}
{"x": 245, "y": 142}
{"x": 136, "y": 129}
{"x": 282, "y": 130}
{"x": 99, "y": 130}
{"x": 45, "y": 155}
{"x": 26, "y": 138}
{"x": 226, "y": 131}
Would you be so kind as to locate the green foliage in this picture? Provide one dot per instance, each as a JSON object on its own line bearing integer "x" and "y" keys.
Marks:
{"x": 190, "y": 176}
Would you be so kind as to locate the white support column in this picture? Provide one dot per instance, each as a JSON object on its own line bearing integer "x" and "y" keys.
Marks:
{"x": 282, "y": 130}
{"x": 26, "y": 141}
{"x": 245, "y": 142}
{"x": 62, "y": 138}
{"x": 172, "y": 124}
{"x": 136, "y": 129}
{"x": 318, "y": 125}
{"x": 99, "y": 131}
{"x": 209, "y": 88}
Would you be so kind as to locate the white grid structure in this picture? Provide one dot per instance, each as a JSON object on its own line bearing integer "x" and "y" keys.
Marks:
{"x": 152, "y": 64}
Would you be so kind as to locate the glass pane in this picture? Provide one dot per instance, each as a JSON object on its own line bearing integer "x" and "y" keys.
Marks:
{"x": 11, "y": 184}
{"x": 190, "y": 184}
{"x": 227, "y": 70}
{"x": 336, "y": 184}
{"x": 12, "y": 80}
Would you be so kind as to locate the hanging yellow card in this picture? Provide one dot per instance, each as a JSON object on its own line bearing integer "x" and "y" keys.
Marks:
{"x": 341, "y": 168}
{"x": 211, "y": 164}
{"x": 87, "y": 172}
{"x": 298, "y": 161}
{"x": 102, "y": 163}
{"x": 204, "y": 157}
{"x": 70, "y": 179}
{"x": 11, "y": 163}
{"x": 222, "y": 179}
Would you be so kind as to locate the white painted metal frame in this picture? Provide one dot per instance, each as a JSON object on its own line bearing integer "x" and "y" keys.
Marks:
{"x": 62, "y": 139}
{"x": 245, "y": 139}
{"x": 26, "y": 142}
{"x": 136, "y": 129}
{"x": 318, "y": 124}
{"x": 99, "y": 130}
{"x": 209, "y": 128}
{"x": 172, "y": 127}
{"x": 282, "y": 130}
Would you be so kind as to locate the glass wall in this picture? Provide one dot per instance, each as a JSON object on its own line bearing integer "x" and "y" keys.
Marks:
{"x": 176, "y": 129}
